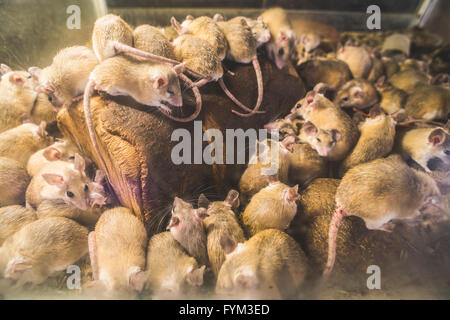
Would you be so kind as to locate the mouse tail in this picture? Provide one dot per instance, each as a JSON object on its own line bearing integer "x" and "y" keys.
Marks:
{"x": 336, "y": 220}
{"x": 198, "y": 101}
{"x": 259, "y": 81}
{"x": 236, "y": 101}
{"x": 93, "y": 254}
{"x": 88, "y": 91}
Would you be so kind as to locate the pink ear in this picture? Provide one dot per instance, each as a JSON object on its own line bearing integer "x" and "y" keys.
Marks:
{"x": 160, "y": 82}
{"x": 283, "y": 36}
{"x": 203, "y": 201}
{"x": 4, "y": 69}
{"x": 41, "y": 131}
{"x": 336, "y": 135}
{"x": 79, "y": 163}
{"x": 310, "y": 129}
{"x": 201, "y": 213}
{"x": 17, "y": 79}
{"x": 52, "y": 154}
{"x": 228, "y": 245}
{"x": 54, "y": 179}
{"x": 436, "y": 137}
{"x": 232, "y": 199}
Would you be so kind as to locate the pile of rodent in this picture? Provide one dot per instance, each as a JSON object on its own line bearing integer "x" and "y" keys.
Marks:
{"x": 363, "y": 122}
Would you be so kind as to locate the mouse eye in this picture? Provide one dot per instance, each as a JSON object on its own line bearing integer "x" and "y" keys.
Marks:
{"x": 86, "y": 188}
{"x": 281, "y": 52}
{"x": 71, "y": 158}
{"x": 318, "y": 140}
{"x": 170, "y": 92}
{"x": 345, "y": 99}
{"x": 50, "y": 98}
{"x": 447, "y": 152}
{"x": 70, "y": 194}
{"x": 298, "y": 105}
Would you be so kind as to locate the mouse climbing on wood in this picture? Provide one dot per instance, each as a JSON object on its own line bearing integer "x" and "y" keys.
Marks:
{"x": 201, "y": 50}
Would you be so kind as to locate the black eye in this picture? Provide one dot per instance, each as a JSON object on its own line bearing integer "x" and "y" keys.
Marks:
{"x": 70, "y": 194}
{"x": 447, "y": 152}
{"x": 86, "y": 188}
{"x": 281, "y": 52}
{"x": 50, "y": 98}
{"x": 170, "y": 92}
{"x": 298, "y": 105}
{"x": 345, "y": 99}
{"x": 318, "y": 140}
{"x": 71, "y": 158}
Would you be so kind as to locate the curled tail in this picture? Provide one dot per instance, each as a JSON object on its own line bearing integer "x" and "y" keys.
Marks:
{"x": 336, "y": 220}
{"x": 259, "y": 81}
{"x": 198, "y": 100}
{"x": 88, "y": 91}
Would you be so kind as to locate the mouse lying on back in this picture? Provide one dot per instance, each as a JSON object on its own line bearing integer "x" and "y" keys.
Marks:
{"x": 380, "y": 192}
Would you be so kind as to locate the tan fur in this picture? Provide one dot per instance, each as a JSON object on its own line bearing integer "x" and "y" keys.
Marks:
{"x": 241, "y": 42}
{"x": 198, "y": 55}
{"x": 12, "y": 219}
{"x": 169, "y": 267}
{"x": 151, "y": 39}
{"x": 330, "y": 71}
{"x": 270, "y": 265}
{"x": 305, "y": 165}
{"x": 376, "y": 141}
{"x": 409, "y": 79}
{"x": 358, "y": 93}
{"x": 21, "y": 142}
{"x": 13, "y": 182}
{"x": 358, "y": 60}
{"x": 43, "y": 110}
{"x": 384, "y": 189}
{"x": 392, "y": 99}
{"x": 121, "y": 242}
{"x": 42, "y": 248}
{"x": 429, "y": 102}
{"x": 269, "y": 208}
{"x": 326, "y": 115}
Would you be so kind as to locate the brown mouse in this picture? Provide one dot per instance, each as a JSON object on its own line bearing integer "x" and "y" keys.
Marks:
{"x": 333, "y": 72}
{"x": 409, "y": 79}
{"x": 326, "y": 115}
{"x": 380, "y": 192}
{"x": 272, "y": 207}
{"x": 392, "y": 98}
{"x": 117, "y": 249}
{"x": 424, "y": 144}
{"x": 65, "y": 79}
{"x": 41, "y": 249}
{"x": 221, "y": 221}
{"x": 187, "y": 227}
{"x": 254, "y": 178}
{"x": 12, "y": 219}
{"x": 259, "y": 28}
{"x": 429, "y": 102}
{"x": 305, "y": 165}
{"x": 322, "y": 140}
{"x": 61, "y": 180}
{"x": 376, "y": 140}
{"x": 270, "y": 265}
{"x": 14, "y": 181}
{"x": 283, "y": 38}
{"x": 21, "y": 142}
{"x": 172, "y": 273}
{"x": 357, "y": 93}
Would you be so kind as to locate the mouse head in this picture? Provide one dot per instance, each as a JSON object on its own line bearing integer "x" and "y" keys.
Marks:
{"x": 376, "y": 116}
{"x": 439, "y": 143}
{"x": 185, "y": 217}
{"x": 352, "y": 94}
{"x": 164, "y": 87}
{"x": 291, "y": 195}
{"x": 323, "y": 141}
{"x": 260, "y": 31}
{"x": 184, "y": 26}
{"x": 285, "y": 127}
{"x": 73, "y": 184}
{"x": 282, "y": 48}
{"x": 17, "y": 79}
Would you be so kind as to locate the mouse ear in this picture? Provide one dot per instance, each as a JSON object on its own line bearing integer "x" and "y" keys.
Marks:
{"x": 336, "y": 135}
{"x": 232, "y": 199}
{"x": 35, "y": 72}
{"x": 189, "y": 17}
{"x": 283, "y": 36}
{"x": 176, "y": 25}
{"x": 436, "y": 137}
{"x": 52, "y": 154}
{"x": 218, "y": 17}
{"x": 160, "y": 82}
{"x": 259, "y": 19}
{"x": 195, "y": 276}
{"x": 16, "y": 79}
{"x": 357, "y": 92}
{"x": 201, "y": 213}
{"x": 288, "y": 143}
{"x": 41, "y": 129}
{"x": 244, "y": 22}
{"x": 227, "y": 244}
{"x": 203, "y": 201}
{"x": 4, "y": 69}
{"x": 310, "y": 129}
{"x": 54, "y": 179}
{"x": 381, "y": 82}
{"x": 79, "y": 163}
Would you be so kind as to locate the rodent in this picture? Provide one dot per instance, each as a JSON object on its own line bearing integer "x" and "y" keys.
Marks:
{"x": 21, "y": 142}
{"x": 270, "y": 265}
{"x": 392, "y": 98}
{"x": 358, "y": 59}
{"x": 330, "y": 71}
{"x": 260, "y": 29}
{"x": 305, "y": 165}
{"x": 376, "y": 140}
{"x": 424, "y": 144}
{"x": 42, "y": 248}
{"x": 12, "y": 219}
{"x": 272, "y": 207}
{"x": 14, "y": 181}
{"x": 282, "y": 42}
{"x": 322, "y": 140}
{"x": 254, "y": 178}
{"x": 60, "y": 150}
{"x": 357, "y": 93}
{"x": 380, "y": 192}
{"x": 429, "y": 102}
{"x": 172, "y": 273}
{"x": 60, "y": 180}
{"x": 326, "y": 115}
{"x": 65, "y": 79}
{"x": 408, "y": 79}
{"x": 221, "y": 221}
{"x": 117, "y": 249}
{"x": 187, "y": 227}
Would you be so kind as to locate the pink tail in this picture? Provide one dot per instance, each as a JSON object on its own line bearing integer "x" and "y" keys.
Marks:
{"x": 336, "y": 220}
{"x": 93, "y": 254}
{"x": 120, "y": 47}
{"x": 259, "y": 81}
{"x": 198, "y": 100}
{"x": 88, "y": 91}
